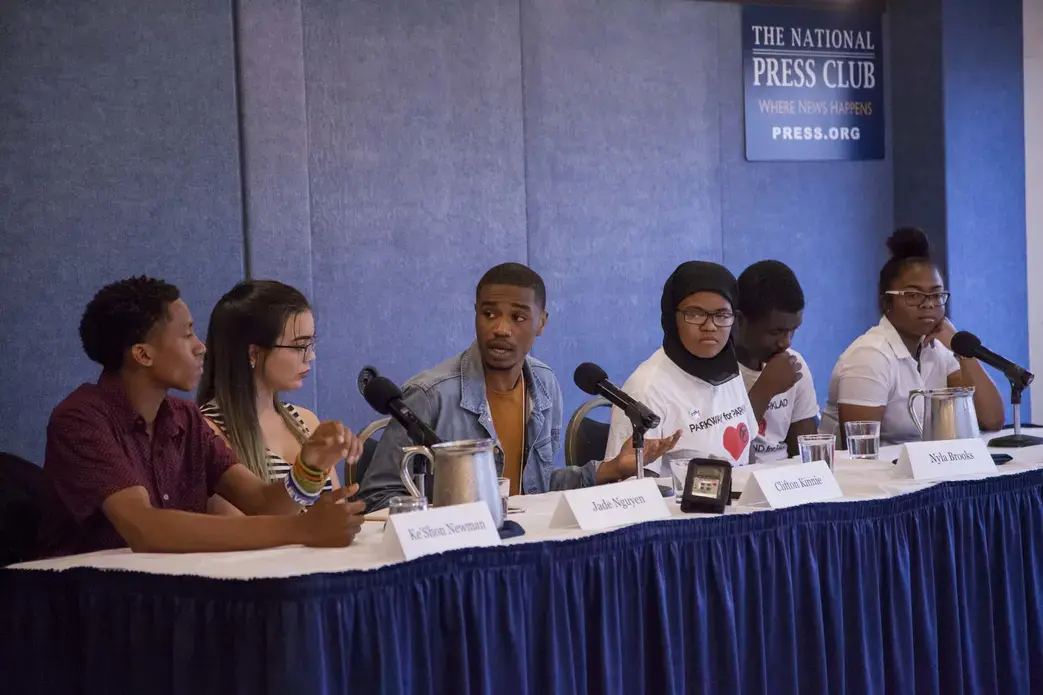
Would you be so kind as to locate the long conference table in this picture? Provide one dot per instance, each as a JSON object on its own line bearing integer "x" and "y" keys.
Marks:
{"x": 900, "y": 587}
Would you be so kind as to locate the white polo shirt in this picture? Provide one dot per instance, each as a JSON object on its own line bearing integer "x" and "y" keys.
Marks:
{"x": 796, "y": 404}
{"x": 877, "y": 370}
{"x": 714, "y": 420}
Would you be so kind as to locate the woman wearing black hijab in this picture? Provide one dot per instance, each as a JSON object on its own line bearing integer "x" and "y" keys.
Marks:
{"x": 693, "y": 382}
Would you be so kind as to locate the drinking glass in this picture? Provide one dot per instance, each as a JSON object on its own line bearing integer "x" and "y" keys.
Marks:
{"x": 817, "y": 447}
{"x": 863, "y": 439}
{"x": 406, "y": 503}
{"x": 402, "y": 504}
{"x": 675, "y": 465}
{"x": 505, "y": 492}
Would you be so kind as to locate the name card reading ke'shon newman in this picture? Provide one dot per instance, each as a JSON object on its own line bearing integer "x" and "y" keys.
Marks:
{"x": 787, "y": 486}
{"x": 605, "y": 506}
{"x": 945, "y": 459}
{"x": 414, "y": 534}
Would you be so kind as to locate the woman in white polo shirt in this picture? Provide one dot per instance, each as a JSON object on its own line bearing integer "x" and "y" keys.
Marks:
{"x": 692, "y": 383}
{"x": 908, "y": 350}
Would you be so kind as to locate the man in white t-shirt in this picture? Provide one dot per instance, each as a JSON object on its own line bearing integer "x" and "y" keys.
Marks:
{"x": 781, "y": 390}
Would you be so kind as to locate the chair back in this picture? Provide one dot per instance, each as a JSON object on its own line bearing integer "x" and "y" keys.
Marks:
{"x": 26, "y": 496}
{"x": 369, "y": 445}
{"x": 585, "y": 437}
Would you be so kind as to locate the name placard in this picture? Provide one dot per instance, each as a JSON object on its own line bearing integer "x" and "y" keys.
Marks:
{"x": 605, "y": 506}
{"x": 788, "y": 486}
{"x": 415, "y": 534}
{"x": 945, "y": 459}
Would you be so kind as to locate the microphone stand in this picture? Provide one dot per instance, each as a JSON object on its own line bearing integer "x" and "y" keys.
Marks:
{"x": 1016, "y": 440}
{"x": 640, "y": 424}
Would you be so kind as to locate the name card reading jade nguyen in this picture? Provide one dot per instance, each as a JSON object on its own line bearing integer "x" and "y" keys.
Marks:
{"x": 415, "y": 534}
{"x": 945, "y": 459}
{"x": 813, "y": 83}
{"x": 605, "y": 506}
{"x": 787, "y": 486}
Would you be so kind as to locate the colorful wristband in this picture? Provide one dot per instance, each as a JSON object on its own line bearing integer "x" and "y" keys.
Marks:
{"x": 303, "y": 483}
{"x": 296, "y": 494}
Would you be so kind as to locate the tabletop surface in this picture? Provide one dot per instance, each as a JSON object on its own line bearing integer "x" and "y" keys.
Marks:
{"x": 858, "y": 480}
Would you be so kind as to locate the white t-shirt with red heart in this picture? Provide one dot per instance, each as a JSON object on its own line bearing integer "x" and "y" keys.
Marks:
{"x": 716, "y": 421}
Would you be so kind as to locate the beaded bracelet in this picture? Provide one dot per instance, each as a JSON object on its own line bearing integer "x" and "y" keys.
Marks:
{"x": 303, "y": 483}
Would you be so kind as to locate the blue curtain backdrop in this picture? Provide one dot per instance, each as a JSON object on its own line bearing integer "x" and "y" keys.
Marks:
{"x": 935, "y": 592}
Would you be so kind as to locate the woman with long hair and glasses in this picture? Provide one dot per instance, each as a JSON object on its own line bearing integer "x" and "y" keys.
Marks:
{"x": 908, "y": 350}
{"x": 692, "y": 382}
{"x": 260, "y": 342}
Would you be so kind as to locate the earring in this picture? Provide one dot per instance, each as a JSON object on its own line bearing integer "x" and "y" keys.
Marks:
{"x": 253, "y": 364}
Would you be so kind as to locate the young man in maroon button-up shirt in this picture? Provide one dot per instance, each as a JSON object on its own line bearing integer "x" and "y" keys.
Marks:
{"x": 134, "y": 466}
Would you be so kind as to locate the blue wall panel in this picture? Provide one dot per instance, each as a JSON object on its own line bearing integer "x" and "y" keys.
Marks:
{"x": 416, "y": 178}
{"x": 622, "y": 156}
{"x": 918, "y": 117}
{"x": 118, "y": 156}
{"x": 985, "y": 173}
{"x": 274, "y": 132}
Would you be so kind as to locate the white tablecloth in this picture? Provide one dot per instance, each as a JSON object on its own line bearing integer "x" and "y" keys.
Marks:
{"x": 859, "y": 480}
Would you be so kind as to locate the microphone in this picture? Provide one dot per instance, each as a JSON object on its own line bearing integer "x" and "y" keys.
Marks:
{"x": 386, "y": 398}
{"x": 592, "y": 379}
{"x": 969, "y": 345}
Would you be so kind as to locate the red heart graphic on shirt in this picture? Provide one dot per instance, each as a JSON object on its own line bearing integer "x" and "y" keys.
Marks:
{"x": 736, "y": 439}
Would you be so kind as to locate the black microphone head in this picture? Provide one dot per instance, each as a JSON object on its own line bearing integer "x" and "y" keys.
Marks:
{"x": 588, "y": 375}
{"x": 965, "y": 344}
{"x": 379, "y": 392}
{"x": 367, "y": 375}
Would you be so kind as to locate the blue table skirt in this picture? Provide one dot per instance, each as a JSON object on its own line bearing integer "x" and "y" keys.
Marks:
{"x": 933, "y": 592}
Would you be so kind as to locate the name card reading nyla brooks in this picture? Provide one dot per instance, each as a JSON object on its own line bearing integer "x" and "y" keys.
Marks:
{"x": 945, "y": 459}
{"x": 787, "y": 486}
{"x": 604, "y": 506}
{"x": 414, "y": 534}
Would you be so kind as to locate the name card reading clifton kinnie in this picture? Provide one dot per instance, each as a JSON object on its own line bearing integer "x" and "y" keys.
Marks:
{"x": 416, "y": 534}
{"x": 945, "y": 459}
{"x": 787, "y": 486}
{"x": 605, "y": 506}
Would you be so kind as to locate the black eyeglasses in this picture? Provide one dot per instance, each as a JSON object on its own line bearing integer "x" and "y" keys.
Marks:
{"x": 302, "y": 350}
{"x": 697, "y": 317}
{"x": 918, "y": 299}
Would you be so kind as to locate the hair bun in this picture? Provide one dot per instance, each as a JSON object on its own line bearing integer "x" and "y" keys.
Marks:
{"x": 909, "y": 242}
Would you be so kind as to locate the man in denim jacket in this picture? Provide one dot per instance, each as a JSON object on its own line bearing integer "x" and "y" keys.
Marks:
{"x": 494, "y": 389}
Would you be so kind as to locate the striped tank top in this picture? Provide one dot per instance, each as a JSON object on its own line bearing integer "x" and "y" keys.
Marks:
{"x": 278, "y": 467}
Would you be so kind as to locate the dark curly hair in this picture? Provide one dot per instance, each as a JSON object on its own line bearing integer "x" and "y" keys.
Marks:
{"x": 121, "y": 315}
{"x": 766, "y": 286}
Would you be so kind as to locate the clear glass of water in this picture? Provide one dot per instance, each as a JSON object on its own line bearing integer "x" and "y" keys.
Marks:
{"x": 505, "y": 492}
{"x": 817, "y": 447}
{"x": 675, "y": 465}
{"x": 863, "y": 439}
{"x": 406, "y": 503}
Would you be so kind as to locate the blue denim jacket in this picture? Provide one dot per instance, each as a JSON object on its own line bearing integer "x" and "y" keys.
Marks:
{"x": 451, "y": 399}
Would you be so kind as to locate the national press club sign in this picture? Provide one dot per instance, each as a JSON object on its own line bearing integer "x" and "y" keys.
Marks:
{"x": 814, "y": 84}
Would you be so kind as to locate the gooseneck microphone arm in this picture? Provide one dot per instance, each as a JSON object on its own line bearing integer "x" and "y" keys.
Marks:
{"x": 592, "y": 379}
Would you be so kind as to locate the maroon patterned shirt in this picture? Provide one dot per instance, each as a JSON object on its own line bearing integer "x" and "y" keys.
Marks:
{"x": 97, "y": 445}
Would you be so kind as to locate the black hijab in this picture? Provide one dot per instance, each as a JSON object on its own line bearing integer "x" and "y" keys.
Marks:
{"x": 687, "y": 279}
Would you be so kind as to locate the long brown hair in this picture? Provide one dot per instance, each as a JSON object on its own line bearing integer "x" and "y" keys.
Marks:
{"x": 254, "y": 312}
